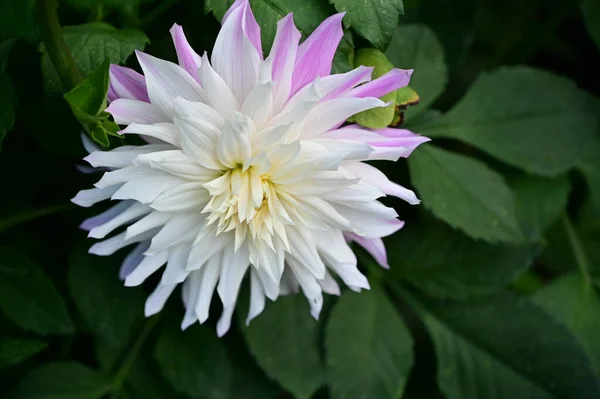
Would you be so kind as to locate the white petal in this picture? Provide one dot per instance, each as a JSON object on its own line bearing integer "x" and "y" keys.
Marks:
{"x": 233, "y": 268}
{"x": 308, "y": 283}
{"x": 133, "y": 259}
{"x": 89, "y": 197}
{"x": 125, "y": 112}
{"x": 178, "y": 229}
{"x": 257, "y": 298}
{"x": 175, "y": 272}
{"x": 163, "y": 131}
{"x": 210, "y": 276}
{"x": 146, "y": 188}
{"x": 149, "y": 265}
{"x": 234, "y": 144}
{"x": 185, "y": 197}
{"x": 156, "y": 301}
{"x": 166, "y": 81}
{"x": 133, "y": 212}
{"x": 219, "y": 96}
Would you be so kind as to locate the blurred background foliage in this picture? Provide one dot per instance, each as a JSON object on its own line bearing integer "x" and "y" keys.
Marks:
{"x": 493, "y": 284}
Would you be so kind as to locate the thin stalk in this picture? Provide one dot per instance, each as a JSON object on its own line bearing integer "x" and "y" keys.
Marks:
{"x": 24, "y": 217}
{"x": 578, "y": 251}
{"x": 54, "y": 42}
{"x": 129, "y": 359}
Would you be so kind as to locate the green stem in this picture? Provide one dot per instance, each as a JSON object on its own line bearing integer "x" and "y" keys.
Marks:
{"x": 578, "y": 251}
{"x": 24, "y": 217}
{"x": 131, "y": 356}
{"x": 54, "y": 42}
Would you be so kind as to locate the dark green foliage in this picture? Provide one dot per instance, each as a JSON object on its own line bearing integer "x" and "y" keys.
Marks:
{"x": 493, "y": 284}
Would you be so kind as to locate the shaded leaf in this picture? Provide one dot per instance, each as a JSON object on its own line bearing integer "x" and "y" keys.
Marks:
{"x": 375, "y": 20}
{"x": 465, "y": 193}
{"x": 446, "y": 263}
{"x": 18, "y": 20}
{"x": 591, "y": 16}
{"x": 479, "y": 357}
{"x": 539, "y": 202}
{"x": 416, "y": 47}
{"x": 528, "y": 118}
{"x": 63, "y": 380}
{"x": 283, "y": 340}
{"x": 28, "y": 297}
{"x": 578, "y": 307}
{"x": 15, "y": 350}
{"x": 194, "y": 361}
{"x": 368, "y": 347}
{"x": 109, "y": 309}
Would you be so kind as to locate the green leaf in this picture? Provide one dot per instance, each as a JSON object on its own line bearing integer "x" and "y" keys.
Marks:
{"x": 504, "y": 346}
{"x": 578, "y": 307}
{"x": 590, "y": 168}
{"x": 63, "y": 380}
{"x": 194, "y": 361}
{"x": 283, "y": 340}
{"x": 18, "y": 19}
{"x": 530, "y": 119}
{"x": 445, "y": 263}
{"x": 375, "y": 20}
{"x": 539, "y": 202}
{"x": 591, "y": 16}
{"x": 90, "y": 45}
{"x": 376, "y": 118}
{"x": 28, "y": 297}
{"x": 109, "y": 309}
{"x": 308, "y": 14}
{"x": 368, "y": 347}
{"x": 465, "y": 193}
{"x": 88, "y": 98}
{"x": 416, "y": 47}
{"x": 15, "y": 350}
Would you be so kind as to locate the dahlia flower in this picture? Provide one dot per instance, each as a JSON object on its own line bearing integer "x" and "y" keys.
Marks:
{"x": 247, "y": 170}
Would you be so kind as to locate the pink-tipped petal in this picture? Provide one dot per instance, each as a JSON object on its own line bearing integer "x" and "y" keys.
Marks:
{"x": 315, "y": 55}
{"x": 127, "y": 83}
{"x": 339, "y": 84}
{"x": 111, "y": 95}
{"x": 126, "y": 111}
{"x": 250, "y": 26}
{"x": 283, "y": 56}
{"x": 234, "y": 56}
{"x": 393, "y": 80}
{"x": 374, "y": 246}
{"x": 188, "y": 58}
{"x": 404, "y": 138}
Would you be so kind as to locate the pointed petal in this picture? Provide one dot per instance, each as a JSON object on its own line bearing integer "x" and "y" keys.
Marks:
{"x": 187, "y": 57}
{"x": 127, "y": 83}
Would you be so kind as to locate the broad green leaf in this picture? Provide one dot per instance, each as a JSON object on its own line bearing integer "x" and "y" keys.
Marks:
{"x": 445, "y": 263}
{"x": 376, "y": 118}
{"x": 528, "y": 118}
{"x": 194, "y": 361}
{"x": 90, "y": 45}
{"x": 539, "y": 202}
{"x": 590, "y": 168}
{"x": 416, "y": 47}
{"x": 109, "y": 309}
{"x": 375, "y": 20}
{"x": 15, "y": 350}
{"x": 368, "y": 347}
{"x": 18, "y": 19}
{"x": 505, "y": 346}
{"x": 283, "y": 340}
{"x": 591, "y": 15}
{"x": 28, "y": 297}
{"x": 343, "y": 59}
{"x": 308, "y": 14}
{"x": 465, "y": 193}
{"x": 578, "y": 307}
{"x": 88, "y": 99}
{"x": 63, "y": 380}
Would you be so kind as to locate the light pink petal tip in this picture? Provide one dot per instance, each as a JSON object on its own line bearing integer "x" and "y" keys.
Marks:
{"x": 404, "y": 138}
{"x": 249, "y": 24}
{"x": 126, "y": 83}
{"x": 374, "y": 246}
{"x": 391, "y": 81}
{"x": 187, "y": 57}
{"x": 315, "y": 54}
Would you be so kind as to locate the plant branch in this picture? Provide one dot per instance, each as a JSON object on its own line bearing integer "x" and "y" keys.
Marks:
{"x": 129, "y": 359}
{"x": 54, "y": 42}
{"x": 23, "y": 217}
{"x": 578, "y": 251}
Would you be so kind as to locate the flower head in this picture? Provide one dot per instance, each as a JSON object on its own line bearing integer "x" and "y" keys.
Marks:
{"x": 247, "y": 170}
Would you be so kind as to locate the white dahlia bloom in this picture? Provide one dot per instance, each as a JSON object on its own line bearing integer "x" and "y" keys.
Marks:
{"x": 247, "y": 170}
